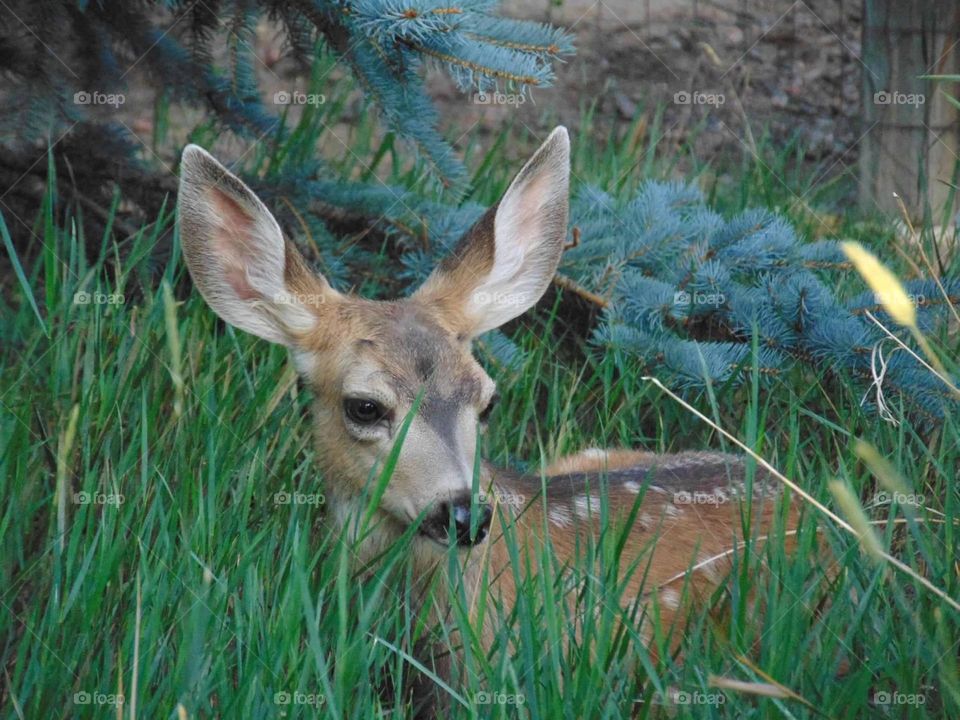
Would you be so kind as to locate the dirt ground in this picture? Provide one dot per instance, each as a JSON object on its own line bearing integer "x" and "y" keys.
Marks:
{"x": 739, "y": 67}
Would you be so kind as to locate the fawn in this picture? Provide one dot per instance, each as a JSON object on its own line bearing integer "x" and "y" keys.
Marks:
{"x": 368, "y": 362}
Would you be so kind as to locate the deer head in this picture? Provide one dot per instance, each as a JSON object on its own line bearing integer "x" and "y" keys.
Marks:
{"x": 367, "y": 362}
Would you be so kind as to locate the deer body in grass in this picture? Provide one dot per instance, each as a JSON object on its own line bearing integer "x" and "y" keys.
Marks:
{"x": 369, "y": 362}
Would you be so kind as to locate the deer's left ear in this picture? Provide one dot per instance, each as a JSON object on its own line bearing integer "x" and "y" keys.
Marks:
{"x": 505, "y": 262}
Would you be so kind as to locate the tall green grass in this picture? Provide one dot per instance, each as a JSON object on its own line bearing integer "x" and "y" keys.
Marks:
{"x": 165, "y": 539}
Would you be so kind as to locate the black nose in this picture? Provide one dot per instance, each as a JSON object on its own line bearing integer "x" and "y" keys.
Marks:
{"x": 455, "y": 522}
{"x": 464, "y": 519}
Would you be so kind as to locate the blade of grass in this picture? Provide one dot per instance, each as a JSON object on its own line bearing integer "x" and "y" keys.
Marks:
{"x": 21, "y": 277}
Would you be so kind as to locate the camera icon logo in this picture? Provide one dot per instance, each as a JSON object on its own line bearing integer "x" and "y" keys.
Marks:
{"x": 81, "y": 98}
{"x": 882, "y": 97}
{"x": 681, "y": 98}
{"x": 281, "y": 97}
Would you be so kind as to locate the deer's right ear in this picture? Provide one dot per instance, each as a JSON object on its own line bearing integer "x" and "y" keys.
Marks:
{"x": 238, "y": 258}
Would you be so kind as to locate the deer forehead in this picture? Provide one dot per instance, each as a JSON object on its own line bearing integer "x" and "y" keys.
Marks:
{"x": 391, "y": 351}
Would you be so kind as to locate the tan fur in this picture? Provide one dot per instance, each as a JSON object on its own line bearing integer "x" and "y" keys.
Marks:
{"x": 597, "y": 460}
{"x": 686, "y": 548}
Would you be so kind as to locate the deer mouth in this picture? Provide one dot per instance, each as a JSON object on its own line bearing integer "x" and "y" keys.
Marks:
{"x": 440, "y": 534}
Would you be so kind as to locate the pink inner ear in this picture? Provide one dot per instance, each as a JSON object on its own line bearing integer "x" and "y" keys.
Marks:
{"x": 236, "y": 277}
{"x": 233, "y": 243}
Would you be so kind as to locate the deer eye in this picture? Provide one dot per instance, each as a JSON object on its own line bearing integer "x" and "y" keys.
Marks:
{"x": 363, "y": 411}
{"x": 485, "y": 413}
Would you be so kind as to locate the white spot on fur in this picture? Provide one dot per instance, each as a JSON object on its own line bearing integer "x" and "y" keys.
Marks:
{"x": 672, "y": 511}
{"x": 594, "y": 453}
{"x": 559, "y": 516}
{"x": 584, "y": 506}
{"x": 670, "y": 598}
{"x": 632, "y": 487}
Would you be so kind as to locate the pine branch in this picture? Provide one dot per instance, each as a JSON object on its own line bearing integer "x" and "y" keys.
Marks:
{"x": 691, "y": 290}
